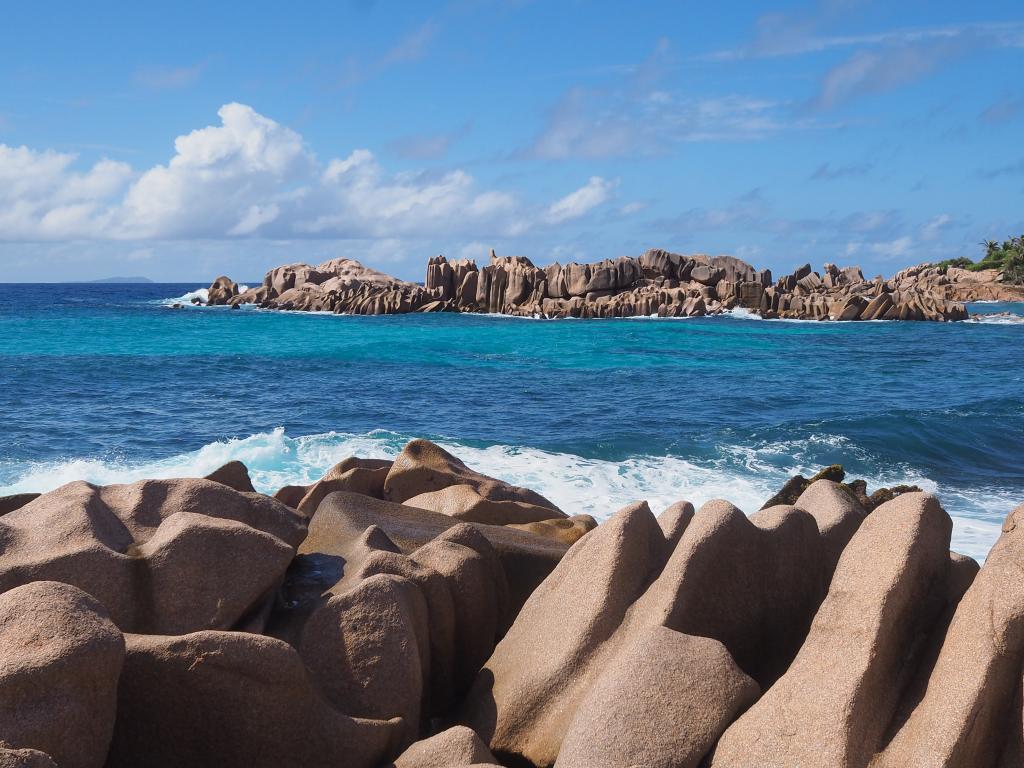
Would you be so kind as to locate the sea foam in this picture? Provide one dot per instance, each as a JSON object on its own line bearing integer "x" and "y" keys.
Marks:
{"x": 578, "y": 484}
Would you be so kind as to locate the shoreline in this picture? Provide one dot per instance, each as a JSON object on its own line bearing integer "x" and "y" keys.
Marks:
{"x": 582, "y": 484}
{"x": 735, "y": 314}
{"x": 396, "y": 612}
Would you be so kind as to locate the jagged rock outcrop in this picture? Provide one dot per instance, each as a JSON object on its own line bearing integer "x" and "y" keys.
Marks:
{"x": 972, "y": 701}
{"x": 656, "y": 283}
{"x": 342, "y": 286}
{"x": 833, "y": 704}
{"x": 221, "y": 291}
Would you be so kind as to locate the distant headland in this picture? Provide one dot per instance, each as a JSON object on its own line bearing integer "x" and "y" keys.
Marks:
{"x": 657, "y": 283}
{"x": 121, "y": 280}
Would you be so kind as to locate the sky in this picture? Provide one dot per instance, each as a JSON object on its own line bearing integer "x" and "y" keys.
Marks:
{"x": 182, "y": 141}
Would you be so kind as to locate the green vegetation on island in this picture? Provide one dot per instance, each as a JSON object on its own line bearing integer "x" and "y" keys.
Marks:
{"x": 1007, "y": 257}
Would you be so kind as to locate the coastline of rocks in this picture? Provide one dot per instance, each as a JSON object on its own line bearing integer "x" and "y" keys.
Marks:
{"x": 658, "y": 283}
{"x": 415, "y": 613}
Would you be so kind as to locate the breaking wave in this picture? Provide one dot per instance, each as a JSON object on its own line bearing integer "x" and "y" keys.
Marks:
{"x": 578, "y": 484}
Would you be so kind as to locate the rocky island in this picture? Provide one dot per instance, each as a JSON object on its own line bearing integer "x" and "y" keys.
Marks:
{"x": 656, "y": 283}
{"x": 415, "y": 613}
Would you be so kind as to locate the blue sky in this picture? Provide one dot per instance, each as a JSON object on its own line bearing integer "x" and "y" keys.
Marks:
{"x": 182, "y": 141}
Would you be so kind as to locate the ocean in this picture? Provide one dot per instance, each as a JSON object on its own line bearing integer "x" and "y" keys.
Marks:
{"x": 108, "y": 383}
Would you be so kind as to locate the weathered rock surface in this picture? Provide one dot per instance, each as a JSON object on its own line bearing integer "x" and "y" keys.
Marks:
{"x": 342, "y": 518}
{"x": 349, "y": 630}
{"x": 423, "y": 468}
{"x": 518, "y": 702}
{"x": 221, "y": 291}
{"x": 969, "y": 706}
{"x": 162, "y": 556}
{"x": 16, "y": 501}
{"x": 567, "y": 530}
{"x": 656, "y": 283}
{"x": 60, "y": 658}
{"x": 464, "y": 502}
{"x": 833, "y": 704}
{"x": 662, "y": 702}
{"x": 24, "y": 758}
{"x": 235, "y": 475}
{"x": 368, "y": 649}
{"x": 232, "y": 699}
{"x": 456, "y": 747}
{"x": 354, "y": 475}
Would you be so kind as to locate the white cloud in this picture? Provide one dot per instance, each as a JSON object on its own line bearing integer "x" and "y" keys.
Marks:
{"x": 632, "y": 115}
{"x": 893, "y": 248}
{"x": 779, "y": 35}
{"x": 595, "y": 192}
{"x": 42, "y": 198}
{"x": 218, "y": 174}
{"x": 934, "y": 227}
{"x": 875, "y": 70}
{"x": 247, "y": 176}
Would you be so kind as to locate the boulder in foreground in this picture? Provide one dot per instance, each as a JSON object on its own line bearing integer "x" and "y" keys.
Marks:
{"x": 60, "y": 658}
{"x": 233, "y": 700}
{"x": 662, "y": 702}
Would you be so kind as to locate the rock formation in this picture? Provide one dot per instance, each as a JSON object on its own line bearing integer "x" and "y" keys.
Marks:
{"x": 415, "y": 612}
{"x": 656, "y": 283}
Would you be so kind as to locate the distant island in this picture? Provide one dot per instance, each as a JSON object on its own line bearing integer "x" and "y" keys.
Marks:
{"x": 120, "y": 280}
{"x": 657, "y": 283}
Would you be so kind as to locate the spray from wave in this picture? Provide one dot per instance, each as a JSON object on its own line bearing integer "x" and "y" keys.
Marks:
{"x": 203, "y": 294}
{"x": 997, "y": 318}
{"x": 579, "y": 485}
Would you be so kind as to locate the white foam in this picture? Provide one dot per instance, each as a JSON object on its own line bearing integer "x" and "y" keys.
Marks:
{"x": 199, "y": 293}
{"x": 997, "y": 318}
{"x": 577, "y": 484}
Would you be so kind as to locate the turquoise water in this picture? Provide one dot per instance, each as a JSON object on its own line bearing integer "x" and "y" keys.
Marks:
{"x": 108, "y": 383}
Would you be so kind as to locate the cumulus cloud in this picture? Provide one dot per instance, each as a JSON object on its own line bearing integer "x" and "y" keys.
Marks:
{"x": 42, "y": 197}
{"x": 218, "y": 176}
{"x": 576, "y": 204}
{"x": 250, "y": 176}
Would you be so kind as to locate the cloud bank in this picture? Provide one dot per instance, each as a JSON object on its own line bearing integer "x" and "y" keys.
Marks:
{"x": 251, "y": 176}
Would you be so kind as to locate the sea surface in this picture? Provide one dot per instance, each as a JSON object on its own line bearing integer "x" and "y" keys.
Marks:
{"x": 108, "y": 383}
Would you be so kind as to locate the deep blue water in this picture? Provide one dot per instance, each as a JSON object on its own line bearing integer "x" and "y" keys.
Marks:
{"x": 106, "y": 382}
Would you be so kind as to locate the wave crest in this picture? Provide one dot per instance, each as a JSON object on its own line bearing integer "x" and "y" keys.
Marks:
{"x": 578, "y": 484}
